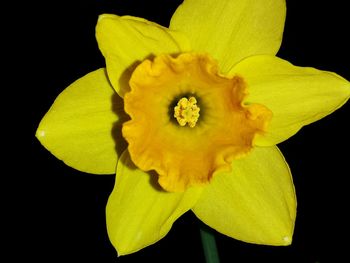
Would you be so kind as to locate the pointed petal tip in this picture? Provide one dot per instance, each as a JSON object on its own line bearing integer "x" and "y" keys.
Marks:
{"x": 120, "y": 252}
{"x": 102, "y": 16}
{"x": 287, "y": 240}
{"x": 124, "y": 251}
{"x": 40, "y": 134}
{"x": 346, "y": 86}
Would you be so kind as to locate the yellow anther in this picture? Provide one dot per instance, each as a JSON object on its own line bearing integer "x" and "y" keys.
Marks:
{"x": 187, "y": 112}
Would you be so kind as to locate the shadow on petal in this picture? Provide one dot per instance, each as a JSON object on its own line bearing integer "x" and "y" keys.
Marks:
{"x": 125, "y": 77}
{"x": 153, "y": 179}
{"x": 118, "y": 109}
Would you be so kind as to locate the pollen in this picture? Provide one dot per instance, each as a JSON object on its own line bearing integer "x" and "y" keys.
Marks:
{"x": 186, "y": 111}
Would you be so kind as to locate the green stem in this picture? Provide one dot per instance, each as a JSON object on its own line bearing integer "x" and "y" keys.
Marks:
{"x": 209, "y": 245}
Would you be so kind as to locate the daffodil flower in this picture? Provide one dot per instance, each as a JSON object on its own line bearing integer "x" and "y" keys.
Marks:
{"x": 201, "y": 106}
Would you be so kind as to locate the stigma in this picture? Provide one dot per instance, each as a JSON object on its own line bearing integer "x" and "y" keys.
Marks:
{"x": 186, "y": 111}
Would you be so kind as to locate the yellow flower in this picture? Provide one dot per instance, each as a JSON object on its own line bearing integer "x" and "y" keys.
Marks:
{"x": 205, "y": 102}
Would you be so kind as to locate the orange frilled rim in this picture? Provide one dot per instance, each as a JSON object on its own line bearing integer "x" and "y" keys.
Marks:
{"x": 184, "y": 156}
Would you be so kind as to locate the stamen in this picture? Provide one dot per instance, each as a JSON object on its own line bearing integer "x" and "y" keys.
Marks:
{"x": 187, "y": 112}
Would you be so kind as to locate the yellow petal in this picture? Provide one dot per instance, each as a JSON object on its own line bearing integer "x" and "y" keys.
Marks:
{"x": 296, "y": 96}
{"x": 231, "y": 30}
{"x": 82, "y": 127}
{"x": 139, "y": 212}
{"x": 255, "y": 203}
{"x": 181, "y": 155}
{"x": 125, "y": 41}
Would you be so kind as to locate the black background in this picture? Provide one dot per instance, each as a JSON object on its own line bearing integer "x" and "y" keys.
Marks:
{"x": 58, "y": 212}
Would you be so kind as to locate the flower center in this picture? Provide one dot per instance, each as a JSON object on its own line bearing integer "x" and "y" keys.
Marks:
{"x": 186, "y": 111}
{"x": 215, "y": 124}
